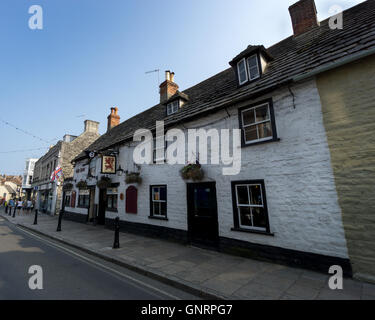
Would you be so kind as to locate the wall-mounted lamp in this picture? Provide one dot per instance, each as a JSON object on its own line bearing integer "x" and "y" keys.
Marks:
{"x": 120, "y": 171}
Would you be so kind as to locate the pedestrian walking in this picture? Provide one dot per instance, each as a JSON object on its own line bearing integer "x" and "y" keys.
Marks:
{"x": 11, "y": 205}
{"x": 28, "y": 206}
{"x": 6, "y": 206}
{"x": 19, "y": 205}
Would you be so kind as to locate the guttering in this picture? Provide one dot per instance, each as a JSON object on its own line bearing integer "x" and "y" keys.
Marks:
{"x": 335, "y": 64}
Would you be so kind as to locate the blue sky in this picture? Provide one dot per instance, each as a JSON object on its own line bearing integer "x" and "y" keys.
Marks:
{"x": 92, "y": 55}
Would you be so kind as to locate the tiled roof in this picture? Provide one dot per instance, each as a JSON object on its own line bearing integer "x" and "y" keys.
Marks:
{"x": 294, "y": 56}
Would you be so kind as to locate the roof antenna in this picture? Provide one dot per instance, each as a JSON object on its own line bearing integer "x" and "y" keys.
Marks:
{"x": 153, "y": 71}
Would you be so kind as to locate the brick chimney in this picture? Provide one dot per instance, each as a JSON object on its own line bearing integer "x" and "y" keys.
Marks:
{"x": 113, "y": 119}
{"x": 91, "y": 126}
{"x": 304, "y": 16}
{"x": 168, "y": 88}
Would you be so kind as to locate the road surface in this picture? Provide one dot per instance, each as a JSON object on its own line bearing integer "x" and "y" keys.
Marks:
{"x": 69, "y": 273}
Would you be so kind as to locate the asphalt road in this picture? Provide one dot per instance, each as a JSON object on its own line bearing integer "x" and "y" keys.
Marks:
{"x": 68, "y": 273}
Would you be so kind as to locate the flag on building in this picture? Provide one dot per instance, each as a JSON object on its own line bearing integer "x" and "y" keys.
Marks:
{"x": 56, "y": 174}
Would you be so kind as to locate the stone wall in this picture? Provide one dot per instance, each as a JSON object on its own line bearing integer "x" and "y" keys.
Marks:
{"x": 348, "y": 102}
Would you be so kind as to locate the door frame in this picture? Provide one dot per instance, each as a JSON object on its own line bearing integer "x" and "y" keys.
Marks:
{"x": 189, "y": 188}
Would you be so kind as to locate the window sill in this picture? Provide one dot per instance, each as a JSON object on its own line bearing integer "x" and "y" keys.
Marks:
{"x": 82, "y": 207}
{"x": 265, "y": 233}
{"x": 259, "y": 142}
{"x": 158, "y": 218}
{"x": 111, "y": 210}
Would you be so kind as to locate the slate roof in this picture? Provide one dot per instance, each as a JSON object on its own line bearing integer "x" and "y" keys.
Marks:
{"x": 291, "y": 57}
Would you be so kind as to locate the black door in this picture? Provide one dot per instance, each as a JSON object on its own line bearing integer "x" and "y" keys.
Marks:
{"x": 203, "y": 229}
{"x": 102, "y": 206}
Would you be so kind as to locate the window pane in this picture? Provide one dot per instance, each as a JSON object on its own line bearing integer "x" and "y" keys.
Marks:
{"x": 242, "y": 195}
{"x": 252, "y": 64}
{"x": 115, "y": 202}
{"x": 262, "y": 113}
{"x": 163, "y": 206}
{"x": 255, "y": 195}
{"x": 242, "y": 71}
{"x": 265, "y": 130}
{"x": 163, "y": 193}
{"x": 254, "y": 73}
{"x": 248, "y": 117}
{"x": 156, "y": 208}
{"x": 259, "y": 217}
{"x": 251, "y": 133}
{"x": 156, "y": 195}
{"x": 175, "y": 106}
{"x": 245, "y": 217}
{"x": 109, "y": 202}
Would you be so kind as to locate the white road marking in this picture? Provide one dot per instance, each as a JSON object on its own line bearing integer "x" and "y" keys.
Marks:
{"x": 87, "y": 260}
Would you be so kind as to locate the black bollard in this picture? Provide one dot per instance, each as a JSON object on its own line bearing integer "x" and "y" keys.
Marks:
{"x": 59, "y": 224}
{"x": 36, "y": 217}
{"x": 14, "y": 212}
{"x": 116, "y": 243}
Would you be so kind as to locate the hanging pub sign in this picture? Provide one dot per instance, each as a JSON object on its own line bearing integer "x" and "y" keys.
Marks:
{"x": 109, "y": 164}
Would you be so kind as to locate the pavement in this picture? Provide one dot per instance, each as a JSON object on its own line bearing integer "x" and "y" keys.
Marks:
{"x": 208, "y": 274}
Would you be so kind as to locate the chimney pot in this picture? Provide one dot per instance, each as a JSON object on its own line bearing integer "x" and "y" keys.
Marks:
{"x": 167, "y": 75}
{"x": 304, "y": 16}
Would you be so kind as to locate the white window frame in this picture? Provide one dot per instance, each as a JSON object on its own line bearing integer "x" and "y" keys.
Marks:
{"x": 238, "y": 71}
{"x": 257, "y": 65}
{"x": 249, "y": 205}
{"x": 256, "y": 123}
{"x": 173, "y": 106}
{"x": 158, "y": 201}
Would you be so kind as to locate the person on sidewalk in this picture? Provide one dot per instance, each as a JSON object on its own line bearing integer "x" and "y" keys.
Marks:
{"x": 28, "y": 206}
{"x": 19, "y": 205}
{"x": 6, "y": 206}
{"x": 11, "y": 205}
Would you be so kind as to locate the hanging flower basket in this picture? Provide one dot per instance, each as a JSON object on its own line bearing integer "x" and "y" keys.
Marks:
{"x": 68, "y": 186}
{"x": 81, "y": 184}
{"x": 193, "y": 172}
{"x": 104, "y": 183}
{"x": 133, "y": 177}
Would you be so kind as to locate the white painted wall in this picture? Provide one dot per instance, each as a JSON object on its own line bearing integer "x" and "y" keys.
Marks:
{"x": 301, "y": 197}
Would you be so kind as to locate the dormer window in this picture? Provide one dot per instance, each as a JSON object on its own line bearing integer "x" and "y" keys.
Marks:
{"x": 172, "y": 107}
{"x": 250, "y": 64}
{"x": 248, "y": 69}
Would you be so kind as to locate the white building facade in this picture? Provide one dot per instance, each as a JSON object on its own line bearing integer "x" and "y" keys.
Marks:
{"x": 27, "y": 178}
{"x": 294, "y": 171}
